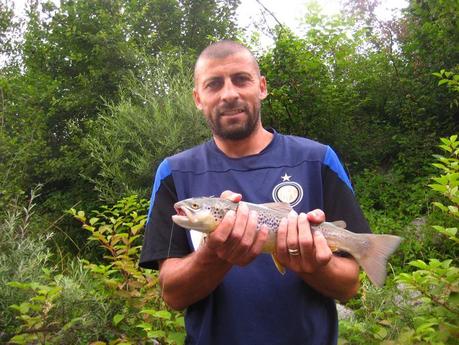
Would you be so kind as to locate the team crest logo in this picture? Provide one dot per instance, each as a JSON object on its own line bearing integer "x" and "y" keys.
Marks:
{"x": 288, "y": 191}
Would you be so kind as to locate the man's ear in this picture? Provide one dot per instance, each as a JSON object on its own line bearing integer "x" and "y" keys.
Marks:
{"x": 263, "y": 88}
{"x": 197, "y": 99}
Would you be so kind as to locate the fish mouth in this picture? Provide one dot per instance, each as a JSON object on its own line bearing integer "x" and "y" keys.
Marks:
{"x": 179, "y": 210}
{"x": 183, "y": 216}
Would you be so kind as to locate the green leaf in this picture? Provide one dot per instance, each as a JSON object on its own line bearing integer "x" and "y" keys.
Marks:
{"x": 156, "y": 334}
{"x": 176, "y": 337}
{"x": 443, "y": 81}
{"x": 419, "y": 264}
{"x": 163, "y": 314}
{"x": 145, "y": 326}
{"x": 117, "y": 319}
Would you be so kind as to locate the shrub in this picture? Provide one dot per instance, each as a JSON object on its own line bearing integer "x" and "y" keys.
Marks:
{"x": 155, "y": 117}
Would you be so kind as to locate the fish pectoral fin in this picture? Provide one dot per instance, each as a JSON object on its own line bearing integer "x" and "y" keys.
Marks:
{"x": 340, "y": 224}
{"x": 278, "y": 265}
{"x": 333, "y": 247}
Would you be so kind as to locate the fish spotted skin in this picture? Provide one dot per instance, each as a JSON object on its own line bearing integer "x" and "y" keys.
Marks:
{"x": 371, "y": 251}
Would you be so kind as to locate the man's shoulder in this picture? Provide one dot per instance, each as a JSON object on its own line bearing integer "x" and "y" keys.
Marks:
{"x": 304, "y": 147}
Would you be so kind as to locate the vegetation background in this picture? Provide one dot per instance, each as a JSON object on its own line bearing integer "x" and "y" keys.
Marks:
{"x": 94, "y": 94}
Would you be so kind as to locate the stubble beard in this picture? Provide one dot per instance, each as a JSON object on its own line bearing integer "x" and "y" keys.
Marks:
{"x": 237, "y": 131}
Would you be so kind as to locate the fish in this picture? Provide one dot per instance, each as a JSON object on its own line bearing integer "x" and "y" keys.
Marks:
{"x": 371, "y": 251}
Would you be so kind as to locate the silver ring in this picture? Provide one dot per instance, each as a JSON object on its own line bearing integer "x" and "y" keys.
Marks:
{"x": 293, "y": 252}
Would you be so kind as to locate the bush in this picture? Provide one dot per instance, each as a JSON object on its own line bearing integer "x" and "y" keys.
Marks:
{"x": 110, "y": 302}
{"x": 422, "y": 306}
{"x": 22, "y": 257}
{"x": 155, "y": 117}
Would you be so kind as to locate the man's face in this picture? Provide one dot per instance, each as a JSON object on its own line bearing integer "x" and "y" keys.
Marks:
{"x": 229, "y": 92}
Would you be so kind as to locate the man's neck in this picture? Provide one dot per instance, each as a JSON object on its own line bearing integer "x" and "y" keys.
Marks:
{"x": 253, "y": 144}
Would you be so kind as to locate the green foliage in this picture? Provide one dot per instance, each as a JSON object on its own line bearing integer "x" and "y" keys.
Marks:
{"x": 110, "y": 302}
{"x": 155, "y": 117}
{"x": 22, "y": 256}
{"x": 139, "y": 315}
{"x": 448, "y": 182}
{"x": 379, "y": 314}
{"x": 36, "y": 314}
{"x": 451, "y": 80}
{"x": 436, "y": 316}
{"x": 423, "y": 307}
{"x": 67, "y": 67}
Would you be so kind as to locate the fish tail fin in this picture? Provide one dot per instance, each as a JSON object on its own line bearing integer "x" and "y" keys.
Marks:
{"x": 278, "y": 265}
{"x": 374, "y": 259}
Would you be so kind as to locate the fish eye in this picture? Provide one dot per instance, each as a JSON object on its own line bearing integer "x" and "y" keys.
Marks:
{"x": 194, "y": 206}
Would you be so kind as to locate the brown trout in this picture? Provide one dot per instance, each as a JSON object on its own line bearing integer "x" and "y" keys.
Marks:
{"x": 371, "y": 251}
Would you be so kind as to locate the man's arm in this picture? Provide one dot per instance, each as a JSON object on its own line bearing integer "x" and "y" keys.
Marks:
{"x": 187, "y": 280}
{"x": 333, "y": 276}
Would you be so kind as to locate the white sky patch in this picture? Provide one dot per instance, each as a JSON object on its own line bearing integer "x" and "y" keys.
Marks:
{"x": 292, "y": 13}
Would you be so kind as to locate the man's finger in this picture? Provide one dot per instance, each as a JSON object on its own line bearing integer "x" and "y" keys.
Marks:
{"x": 323, "y": 252}
{"x": 292, "y": 234}
{"x": 304, "y": 236}
{"x": 281, "y": 243}
{"x": 229, "y": 195}
{"x": 316, "y": 216}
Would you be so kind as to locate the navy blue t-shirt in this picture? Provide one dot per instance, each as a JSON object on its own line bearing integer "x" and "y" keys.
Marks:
{"x": 254, "y": 305}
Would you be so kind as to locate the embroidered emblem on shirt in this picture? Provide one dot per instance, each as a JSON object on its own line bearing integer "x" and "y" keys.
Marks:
{"x": 288, "y": 191}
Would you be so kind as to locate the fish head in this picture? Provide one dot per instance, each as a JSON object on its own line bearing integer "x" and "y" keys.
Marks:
{"x": 200, "y": 214}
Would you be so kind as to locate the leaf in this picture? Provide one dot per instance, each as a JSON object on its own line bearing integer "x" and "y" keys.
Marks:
{"x": 117, "y": 319}
{"x": 440, "y": 206}
{"x": 176, "y": 337}
{"x": 453, "y": 209}
{"x": 72, "y": 323}
{"x": 419, "y": 264}
{"x": 180, "y": 321}
{"x": 135, "y": 229}
{"x": 163, "y": 314}
{"x": 145, "y": 326}
{"x": 156, "y": 334}
{"x": 21, "y": 339}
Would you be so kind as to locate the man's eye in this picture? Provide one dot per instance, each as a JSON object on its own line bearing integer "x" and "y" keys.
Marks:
{"x": 240, "y": 80}
{"x": 213, "y": 84}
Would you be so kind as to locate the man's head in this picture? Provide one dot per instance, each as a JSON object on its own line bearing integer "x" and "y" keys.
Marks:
{"x": 229, "y": 89}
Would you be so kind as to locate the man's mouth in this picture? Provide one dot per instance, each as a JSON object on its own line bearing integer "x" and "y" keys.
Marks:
{"x": 231, "y": 112}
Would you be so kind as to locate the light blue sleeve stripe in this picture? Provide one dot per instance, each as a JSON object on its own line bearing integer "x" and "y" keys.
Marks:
{"x": 333, "y": 162}
{"x": 162, "y": 172}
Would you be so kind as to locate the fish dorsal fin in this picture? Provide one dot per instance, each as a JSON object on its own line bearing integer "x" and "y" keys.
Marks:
{"x": 278, "y": 206}
{"x": 339, "y": 224}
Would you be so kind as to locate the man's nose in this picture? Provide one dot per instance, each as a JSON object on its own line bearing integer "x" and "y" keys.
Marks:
{"x": 229, "y": 92}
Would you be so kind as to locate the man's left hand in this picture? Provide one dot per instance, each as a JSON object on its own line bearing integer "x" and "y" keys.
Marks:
{"x": 298, "y": 247}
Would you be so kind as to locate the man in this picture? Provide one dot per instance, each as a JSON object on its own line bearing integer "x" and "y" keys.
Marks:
{"x": 232, "y": 293}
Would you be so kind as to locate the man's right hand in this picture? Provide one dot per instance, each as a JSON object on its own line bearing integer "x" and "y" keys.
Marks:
{"x": 236, "y": 240}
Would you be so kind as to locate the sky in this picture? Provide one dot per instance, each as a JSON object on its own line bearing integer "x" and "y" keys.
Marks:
{"x": 292, "y": 12}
